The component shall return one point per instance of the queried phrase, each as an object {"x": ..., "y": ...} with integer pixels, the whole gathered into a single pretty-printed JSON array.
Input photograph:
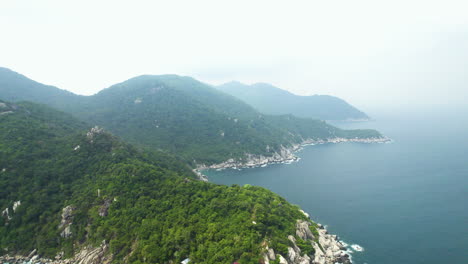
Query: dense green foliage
[
  {"x": 157, "y": 211},
  {"x": 195, "y": 121},
  {"x": 182, "y": 116},
  {"x": 272, "y": 100}
]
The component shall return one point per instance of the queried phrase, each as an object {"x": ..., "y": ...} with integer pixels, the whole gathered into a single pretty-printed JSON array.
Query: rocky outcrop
[
  {"x": 283, "y": 155},
  {"x": 103, "y": 210},
  {"x": 91, "y": 134},
  {"x": 87, "y": 255},
  {"x": 6, "y": 214},
  {"x": 327, "y": 248},
  {"x": 16, "y": 205},
  {"x": 90, "y": 255},
  {"x": 66, "y": 222},
  {"x": 250, "y": 161},
  {"x": 303, "y": 230},
  {"x": 200, "y": 175},
  {"x": 333, "y": 250}
]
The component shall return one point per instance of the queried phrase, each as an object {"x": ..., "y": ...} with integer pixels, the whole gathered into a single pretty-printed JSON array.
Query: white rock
[
  {"x": 271, "y": 254},
  {"x": 15, "y": 205},
  {"x": 6, "y": 213},
  {"x": 303, "y": 260},
  {"x": 292, "y": 254},
  {"x": 282, "y": 260}
]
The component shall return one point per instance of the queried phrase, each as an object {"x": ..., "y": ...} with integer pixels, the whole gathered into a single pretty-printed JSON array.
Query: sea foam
[{"x": 357, "y": 248}]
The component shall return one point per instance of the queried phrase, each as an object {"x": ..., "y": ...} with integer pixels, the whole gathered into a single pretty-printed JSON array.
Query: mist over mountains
[{"x": 273, "y": 100}]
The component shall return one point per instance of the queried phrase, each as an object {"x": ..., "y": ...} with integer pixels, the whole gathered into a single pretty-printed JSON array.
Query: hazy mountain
[
  {"x": 67, "y": 188},
  {"x": 182, "y": 116},
  {"x": 17, "y": 87},
  {"x": 269, "y": 99}
]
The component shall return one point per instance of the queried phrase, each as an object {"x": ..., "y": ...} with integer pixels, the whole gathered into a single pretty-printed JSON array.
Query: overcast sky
[{"x": 370, "y": 53}]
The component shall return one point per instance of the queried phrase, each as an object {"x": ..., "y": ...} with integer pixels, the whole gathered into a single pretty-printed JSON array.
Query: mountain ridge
[
  {"x": 270, "y": 99},
  {"x": 183, "y": 116}
]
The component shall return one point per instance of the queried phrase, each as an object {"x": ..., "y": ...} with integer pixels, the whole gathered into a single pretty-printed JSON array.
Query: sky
[{"x": 389, "y": 54}]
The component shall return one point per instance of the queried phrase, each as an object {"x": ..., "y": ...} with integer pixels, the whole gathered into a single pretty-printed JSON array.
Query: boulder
[
  {"x": 303, "y": 230},
  {"x": 282, "y": 260},
  {"x": 271, "y": 254}
]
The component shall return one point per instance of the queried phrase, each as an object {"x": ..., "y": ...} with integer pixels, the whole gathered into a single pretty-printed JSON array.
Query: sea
[{"x": 399, "y": 202}]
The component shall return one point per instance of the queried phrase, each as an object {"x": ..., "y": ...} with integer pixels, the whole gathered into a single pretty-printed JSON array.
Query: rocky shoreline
[
  {"x": 328, "y": 249},
  {"x": 284, "y": 155}
]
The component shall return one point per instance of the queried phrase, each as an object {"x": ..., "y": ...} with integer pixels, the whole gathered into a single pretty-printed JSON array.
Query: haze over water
[{"x": 403, "y": 202}]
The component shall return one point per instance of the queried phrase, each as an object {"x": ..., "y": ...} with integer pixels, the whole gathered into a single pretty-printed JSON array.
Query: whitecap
[{"x": 357, "y": 248}]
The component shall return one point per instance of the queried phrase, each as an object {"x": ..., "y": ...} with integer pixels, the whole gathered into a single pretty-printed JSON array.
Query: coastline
[
  {"x": 327, "y": 248},
  {"x": 285, "y": 155}
]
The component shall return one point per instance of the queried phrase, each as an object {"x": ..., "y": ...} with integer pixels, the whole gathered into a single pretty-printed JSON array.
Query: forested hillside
[
  {"x": 272, "y": 100},
  {"x": 181, "y": 116},
  {"x": 64, "y": 186}
]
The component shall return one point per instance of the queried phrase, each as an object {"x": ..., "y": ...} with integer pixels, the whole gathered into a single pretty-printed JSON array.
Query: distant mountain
[
  {"x": 182, "y": 116},
  {"x": 72, "y": 192},
  {"x": 17, "y": 87},
  {"x": 269, "y": 99}
]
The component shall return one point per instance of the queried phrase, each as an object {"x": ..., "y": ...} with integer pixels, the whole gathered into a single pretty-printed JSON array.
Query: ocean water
[{"x": 402, "y": 202}]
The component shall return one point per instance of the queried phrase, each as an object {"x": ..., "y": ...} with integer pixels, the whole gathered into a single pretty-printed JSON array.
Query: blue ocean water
[{"x": 403, "y": 202}]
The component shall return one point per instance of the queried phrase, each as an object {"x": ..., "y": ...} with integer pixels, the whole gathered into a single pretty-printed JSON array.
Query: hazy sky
[{"x": 371, "y": 53}]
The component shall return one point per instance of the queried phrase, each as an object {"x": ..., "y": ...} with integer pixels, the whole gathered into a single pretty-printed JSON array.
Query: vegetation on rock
[{"x": 147, "y": 206}]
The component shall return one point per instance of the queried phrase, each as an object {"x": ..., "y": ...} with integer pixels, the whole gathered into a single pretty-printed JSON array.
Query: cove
[{"x": 403, "y": 202}]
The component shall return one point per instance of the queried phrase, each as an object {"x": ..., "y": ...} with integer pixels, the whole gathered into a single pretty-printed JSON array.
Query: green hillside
[
  {"x": 196, "y": 121},
  {"x": 15, "y": 87},
  {"x": 179, "y": 115},
  {"x": 64, "y": 186},
  {"x": 269, "y": 99}
]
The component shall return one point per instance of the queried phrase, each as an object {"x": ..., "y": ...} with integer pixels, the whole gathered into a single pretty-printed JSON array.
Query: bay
[{"x": 403, "y": 202}]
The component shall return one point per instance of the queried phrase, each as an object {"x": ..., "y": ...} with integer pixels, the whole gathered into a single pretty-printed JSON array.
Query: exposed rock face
[
  {"x": 66, "y": 222},
  {"x": 6, "y": 214},
  {"x": 200, "y": 175},
  {"x": 87, "y": 255},
  {"x": 282, "y": 260},
  {"x": 90, "y": 255},
  {"x": 303, "y": 230},
  {"x": 271, "y": 254},
  {"x": 335, "y": 252},
  {"x": 250, "y": 160},
  {"x": 15, "y": 205},
  {"x": 93, "y": 132},
  {"x": 103, "y": 210}
]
